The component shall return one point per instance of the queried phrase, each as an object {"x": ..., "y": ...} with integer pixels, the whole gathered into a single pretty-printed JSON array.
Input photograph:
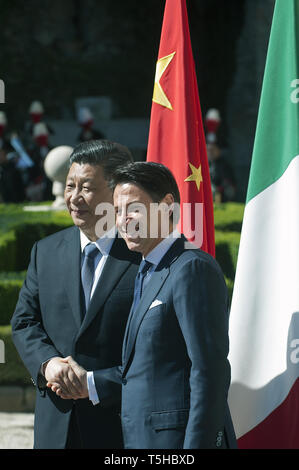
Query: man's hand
[{"x": 66, "y": 378}]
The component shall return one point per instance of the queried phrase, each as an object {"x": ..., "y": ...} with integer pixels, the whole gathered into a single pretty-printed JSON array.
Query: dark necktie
[
  {"x": 142, "y": 272},
  {"x": 88, "y": 269},
  {"x": 132, "y": 321}
]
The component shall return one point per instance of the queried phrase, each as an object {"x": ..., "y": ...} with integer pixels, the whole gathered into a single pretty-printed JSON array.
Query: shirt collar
[
  {"x": 103, "y": 243},
  {"x": 161, "y": 249}
]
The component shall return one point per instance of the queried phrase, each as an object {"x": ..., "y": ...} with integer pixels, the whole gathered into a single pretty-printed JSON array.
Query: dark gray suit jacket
[
  {"x": 48, "y": 321},
  {"x": 175, "y": 373}
]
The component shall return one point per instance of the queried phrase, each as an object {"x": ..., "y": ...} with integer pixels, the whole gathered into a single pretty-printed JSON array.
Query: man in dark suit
[
  {"x": 175, "y": 373},
  {"x": 65, "y": 308}
]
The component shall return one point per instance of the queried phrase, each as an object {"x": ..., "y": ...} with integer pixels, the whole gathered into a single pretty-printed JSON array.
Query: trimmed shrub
[
  {"x": 9, "y": 293},
  {"x": 8, "y": 251},
  {"x": 228, "y": 217},
  {"x": 19, "y": 230},
  {"x": 227, "y": 247},
  {"x": 13, "y": 371}
]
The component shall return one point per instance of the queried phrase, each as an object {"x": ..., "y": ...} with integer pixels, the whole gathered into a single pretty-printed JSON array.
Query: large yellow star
[
  {"x": 159, "y": 94},
  {"x": 195, "y": 175}
]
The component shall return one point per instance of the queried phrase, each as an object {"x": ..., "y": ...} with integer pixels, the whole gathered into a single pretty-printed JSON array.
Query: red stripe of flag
[{"x": 176, "y": 136}]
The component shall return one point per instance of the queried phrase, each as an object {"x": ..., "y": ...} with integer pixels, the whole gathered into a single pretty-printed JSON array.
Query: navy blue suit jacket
[{"x": 175, "y": 373}]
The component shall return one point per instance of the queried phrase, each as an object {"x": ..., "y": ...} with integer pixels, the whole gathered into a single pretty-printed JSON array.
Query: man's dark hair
[
  {"x": 154, "y": 178},
  {"x": 109, "y": 155}
]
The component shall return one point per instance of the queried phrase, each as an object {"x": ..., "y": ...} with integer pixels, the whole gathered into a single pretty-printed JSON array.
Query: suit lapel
[
  {"x": 157, "y": 280},
  {"x": 71, "y": 261},
  {"x": 153, "y": 287},
  {"x": 117, "y": 263}
]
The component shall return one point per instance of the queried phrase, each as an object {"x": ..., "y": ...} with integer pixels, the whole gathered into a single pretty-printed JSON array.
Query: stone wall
[{"x": 59, "y": 51}]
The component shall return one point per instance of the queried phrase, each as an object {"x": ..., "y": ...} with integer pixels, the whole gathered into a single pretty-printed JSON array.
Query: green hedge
[
  {"x": 227, "y": 247},
  {"x": 18, "y": 232},
  {"x": 13, "y": 371},
  {"x": 9, "y": 293},
  {"x": 8, "y": 251},
  {"x": 20, "y": 229},
  {"x": 228, "y": 217}
]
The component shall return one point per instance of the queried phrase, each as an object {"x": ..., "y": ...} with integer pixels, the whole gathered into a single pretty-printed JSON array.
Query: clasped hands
[{"x": 66, "y": 378}]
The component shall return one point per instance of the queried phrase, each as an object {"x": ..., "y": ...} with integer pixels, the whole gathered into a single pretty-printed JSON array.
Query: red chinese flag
[{"x": 176, "y": 135}]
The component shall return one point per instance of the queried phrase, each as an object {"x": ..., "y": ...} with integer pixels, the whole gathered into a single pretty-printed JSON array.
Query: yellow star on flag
[
  {"x": 195, "y": 175},
  {"x": 159, "y": 94}
]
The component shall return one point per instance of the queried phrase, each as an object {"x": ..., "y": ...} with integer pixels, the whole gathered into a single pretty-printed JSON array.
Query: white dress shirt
[{"x": 104, "y": 245}]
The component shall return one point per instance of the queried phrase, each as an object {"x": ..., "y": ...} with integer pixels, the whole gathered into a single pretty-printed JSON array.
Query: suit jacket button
[
  {"x": 124, "y": 381},
  {"x": 219, "y": 439}
]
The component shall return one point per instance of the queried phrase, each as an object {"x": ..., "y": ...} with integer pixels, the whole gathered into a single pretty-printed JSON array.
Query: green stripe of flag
[{"x": 277, "y": 133}]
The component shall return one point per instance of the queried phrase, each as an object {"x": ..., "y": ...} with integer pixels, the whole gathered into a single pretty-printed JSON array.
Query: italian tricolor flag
[{"x": 264, "y": 319}]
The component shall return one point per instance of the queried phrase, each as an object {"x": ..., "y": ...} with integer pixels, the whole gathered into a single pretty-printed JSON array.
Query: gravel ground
[{"x": 16, "y": 430}]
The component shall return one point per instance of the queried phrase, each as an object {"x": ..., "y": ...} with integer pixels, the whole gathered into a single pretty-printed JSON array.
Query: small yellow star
[
  {"x": 195, "y": 176},
  {"x": 159, "y": 94}
]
